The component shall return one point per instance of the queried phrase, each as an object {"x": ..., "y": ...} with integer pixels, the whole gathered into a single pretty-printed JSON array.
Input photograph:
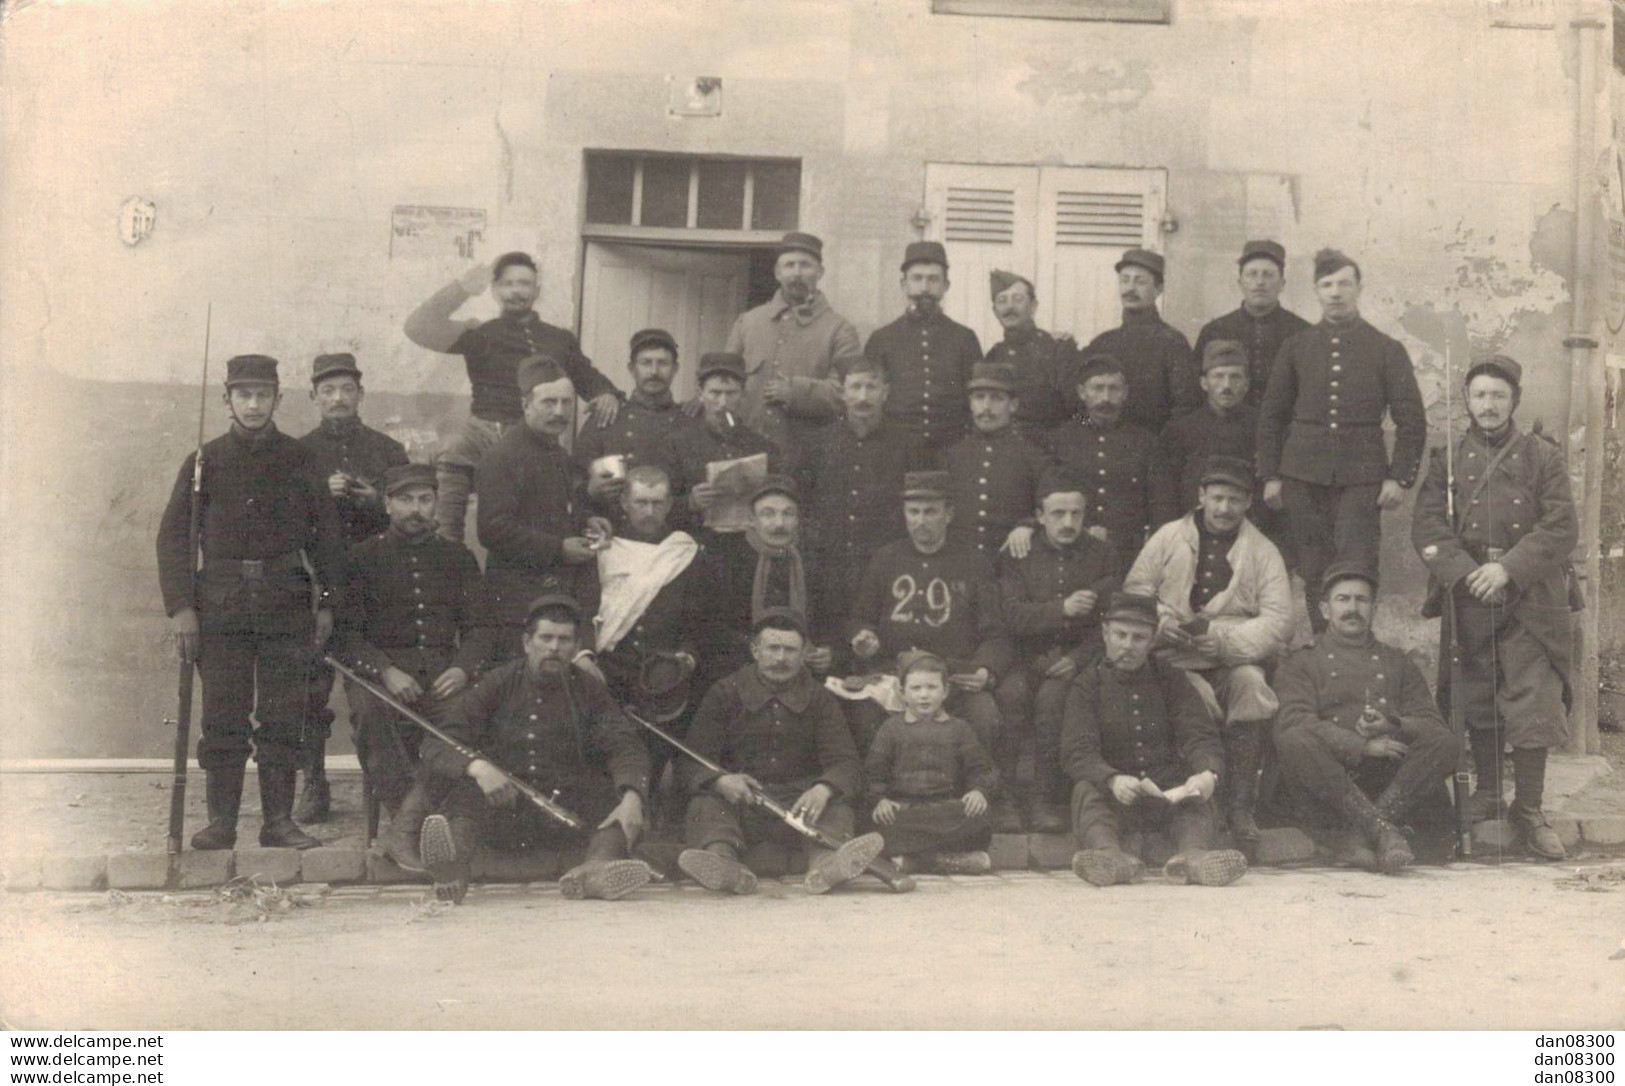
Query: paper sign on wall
[{"x": 418, "y": 231}]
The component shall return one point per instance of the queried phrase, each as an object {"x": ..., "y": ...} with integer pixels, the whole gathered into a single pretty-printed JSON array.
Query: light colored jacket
[
  {"x": 1251, "y": 616},
  {"x": 810, "y": 345}
]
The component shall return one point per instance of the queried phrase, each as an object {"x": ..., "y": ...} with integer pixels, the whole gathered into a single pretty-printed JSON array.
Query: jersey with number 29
[{"x": 946, "y": 603}]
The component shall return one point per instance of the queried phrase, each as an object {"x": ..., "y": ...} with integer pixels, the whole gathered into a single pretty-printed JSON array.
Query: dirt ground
[{"x": 1519, "y": 946}]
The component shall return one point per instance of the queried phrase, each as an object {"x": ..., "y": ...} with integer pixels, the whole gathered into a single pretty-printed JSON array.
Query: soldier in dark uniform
[
  {"x": 849, "y": 478},
  {"x": 928, "y": 355},
  {"x": 995, "y": 468},
  {"x": 1155, "y": 355},
  {"x": 1360, "y": 741},
  {"x": 1044, "y": 364},
  {"x": 1320, "y": 446},
  {"x": 1499, "y": 578},
  {"x": 351, "y": 459},
  {"x": 247, "y": 616},
  {"x": 642, "y": 428},
  {"x": 1144, "y": 754},
  {"x": 1052, "y": 600},
  {"x": 720, "y": 434},
  {"x": 417, "y": 622},
  {"x": 1261, "y": 325},
  {"x": 1225, "y": 425},
  {"x": 493, "y": 350},
  {"x": 558, "y": 730},
  {"x": 531, "y": 517}
]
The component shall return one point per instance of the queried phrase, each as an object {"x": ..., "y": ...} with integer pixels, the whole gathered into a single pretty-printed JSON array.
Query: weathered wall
[{"x": 275, "y": 139}]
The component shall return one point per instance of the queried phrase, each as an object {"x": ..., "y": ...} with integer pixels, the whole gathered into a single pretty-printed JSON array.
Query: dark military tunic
[
  {"x": 528, "y": 506},
  {"x": 1127, "y": 493},
  {"x": 796, "y": 736},
  {"x": 1190, "y": 439},
  {"x": 494, "y": 349},
  {"x": 1033, "y": 587},
  {"x": 1525, "y": 512},
  {"x": 362, "y": 453},
  {"x": 1046, "y": 378},
  {"x": 1145, "y": 723},
  {"x": 1261, "y": 337},
  {"x": 1155, "y": 356},
  {"x": 946, "y": 603},
  {"x": 995, "y": 485},
  {"x": 930, "y": 360},
  {"x": 690, "y": 448},
  {"x": 641, "y": 431},
  {"x": 1321, "y": 418}
]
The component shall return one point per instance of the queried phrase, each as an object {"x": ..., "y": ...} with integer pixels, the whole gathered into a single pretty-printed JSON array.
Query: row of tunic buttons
[{"x": 1336, "y": 368}]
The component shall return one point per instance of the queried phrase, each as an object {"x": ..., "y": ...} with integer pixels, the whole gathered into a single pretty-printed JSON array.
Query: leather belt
[{"x": 253, "y": 569}]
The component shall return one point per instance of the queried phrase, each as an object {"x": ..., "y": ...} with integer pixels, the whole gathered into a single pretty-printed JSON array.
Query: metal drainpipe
[{"x": 1584, "y": 358}]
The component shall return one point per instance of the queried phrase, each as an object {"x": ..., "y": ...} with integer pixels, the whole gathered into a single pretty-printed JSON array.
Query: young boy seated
[{"x": 930, "y": 778}]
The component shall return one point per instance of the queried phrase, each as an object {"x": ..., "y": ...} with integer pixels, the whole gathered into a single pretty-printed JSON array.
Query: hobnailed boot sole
[
  {"x": 717, "y": 872},
  {"x": 1214, "y": 867},
  {"x": 439, "y": 850},
  {"x": 845, "y": 864},
  {"x": 1393, "y": 853},
  {"x": 963, "y": 863},
  {"x": 605, "y": 880},
  {"x": 1106, "y": 867}
]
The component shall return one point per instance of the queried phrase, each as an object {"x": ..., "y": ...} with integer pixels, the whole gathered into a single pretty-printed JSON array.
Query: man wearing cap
[
  {"x": 1498, "y": 566},
  {"x": 1145, "y": 755},
  {"x": 251, "y": 618},
  {"x": 849, "y": 476},
  {"x": 1261, "y": 324},
  {"x": 416, "y": 622},
  {"x": 1361, "y": 743},
  {"x": 642, "y": 427},
  {"x": 557, "y": 729},
  {"x": 351, "y": 460},
  {"x": 720, "y": 435},
  {"x": 1224, "y": 607},
  {"x": 928, "y": 355},
  {"x": 1154, "y": 353},
  {"x": 492, "y": 351},
  {"x": 1320, "y": 444},
  {"x": 771, "y": 726},
  {"x": 795, "y": 348},
  {"x": 1043, "y": 364},
  {"x": 995, "y": 468},
  {"x": 1052, "y": 601},
  {"x": 531, "y": 519}
]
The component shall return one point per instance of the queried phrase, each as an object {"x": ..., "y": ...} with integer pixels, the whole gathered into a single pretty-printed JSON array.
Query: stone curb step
[{"x": 337, "y": 866}]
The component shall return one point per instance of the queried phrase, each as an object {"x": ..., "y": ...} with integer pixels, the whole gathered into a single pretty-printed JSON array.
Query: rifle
[
  {"x": 548, "y": 806},
  {"x": 182, "y": 723},
  {"x": 1461, "y": 783},
  {"x": 882, "y": 869}
]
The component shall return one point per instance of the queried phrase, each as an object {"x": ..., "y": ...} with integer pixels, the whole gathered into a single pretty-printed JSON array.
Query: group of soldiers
[{"x": 856, "y": 579}]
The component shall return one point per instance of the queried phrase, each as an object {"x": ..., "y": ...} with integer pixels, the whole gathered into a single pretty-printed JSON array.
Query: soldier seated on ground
[
  {"x": 556, "y": 728},
  {"x": 1361, "y": 743},
  {"x": 929, "y": 778},
  {"x": 1145, "y": 755},
  {"x": 777, "y": 732}
]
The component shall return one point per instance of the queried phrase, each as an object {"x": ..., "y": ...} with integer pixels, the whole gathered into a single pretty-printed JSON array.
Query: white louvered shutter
[
  {"x": 1087, "y": 217},
  {"x": 987, "y": 218}
]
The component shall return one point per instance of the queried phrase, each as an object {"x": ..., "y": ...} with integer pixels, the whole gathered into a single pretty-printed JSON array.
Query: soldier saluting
[
  {"x": 1495, "y": 539},
  {"x": 247, "y": 616}
]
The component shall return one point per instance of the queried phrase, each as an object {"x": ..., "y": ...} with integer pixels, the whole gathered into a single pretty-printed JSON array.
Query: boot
[
  {"x": 447, "y": 848},
  {"x": 276, "y": 805},
  {"x": 717, "y": 868},
  {"x": 316, "y": 799},
  {"x": 1243, "y": 750},
  {"x": 224, "y": 790},
  {"x": 831, "y": 869},
  {"x": 1529, "y": 789},
  {"x": 1106, "y": 866},
  {"x": 400, "y": 841},
  {"x": 1486, "y": 803},
  {"x": 1209, "y": 867},
  {"x": 1387, "y": 841},
  {"x": 962, "y": 863},
  {"x": 1537, "y": 832},
  {"x": 1050, "y": 812},
  {"x": 606, "y": 880}
]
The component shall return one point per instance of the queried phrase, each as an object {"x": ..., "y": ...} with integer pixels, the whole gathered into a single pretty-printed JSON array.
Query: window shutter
[
  {"x": 980, "y": 214},
  {"x": 1115, "y": 220}
]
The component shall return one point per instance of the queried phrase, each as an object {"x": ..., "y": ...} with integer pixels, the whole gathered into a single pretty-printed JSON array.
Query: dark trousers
[
  {"x": 1331, "y": 523},
  {"x": 713, "y": 820},
  {"x": 1028, "y": 698},
  {"x": 256, "y": 662},
  {"x": 1318, "y": 782},
  {"x": 386, "y": 743},
  {"x": 523, "y": 827},
  {"x": 1100, "y": 822},
  {"x": 935, "y": 825},
  {"x": 1504, "y": 679}
]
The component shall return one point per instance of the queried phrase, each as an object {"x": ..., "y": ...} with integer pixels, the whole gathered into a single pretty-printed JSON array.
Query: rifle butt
[{"x": 182, "y": 724}]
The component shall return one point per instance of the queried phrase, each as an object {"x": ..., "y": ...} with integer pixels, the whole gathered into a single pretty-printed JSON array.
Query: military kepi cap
[
  {"x": 1001, "y": 281},
  {"x": 1142, "y": 258},
  {"x": 652, "y": 337},
  {"x": 925, "y": 252},
  {"x": 998, "y": 376},
  {"x": 1233, "y": 470},
  {"x": 1132, "y": 607},
  {"x": 1332, "y": 261},
  {"x": 333, "y": 365},
  {"x": 1498, "y": 364},
  {"x": 1348, "y": 569},
  {"x": 1223, "y": 352},
  {"x": 797, "y": 242},
  {"x": 1272, "y": 251},
  {"x": 775, "y": 484},
  {"x": 721, "y": 362},
  {"x": 251, "y": 369},
  {"x": 538, "y": 369},
  {"x": 552, "y": 599},
  {"x": 402, "y": 476},
  {"x": 926, "y": 485}
]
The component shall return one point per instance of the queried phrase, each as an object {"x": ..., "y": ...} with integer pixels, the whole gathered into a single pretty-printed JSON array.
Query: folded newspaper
[{"x": 737, "y": 479}]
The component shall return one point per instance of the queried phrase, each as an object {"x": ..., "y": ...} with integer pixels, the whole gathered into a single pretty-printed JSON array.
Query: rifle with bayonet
[
  {"x": 1461, "y": 783},
  {"x": 182, "y": 723},
  {"x": 882, "y": 869},
  {"x": 548, "y": 805}
]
